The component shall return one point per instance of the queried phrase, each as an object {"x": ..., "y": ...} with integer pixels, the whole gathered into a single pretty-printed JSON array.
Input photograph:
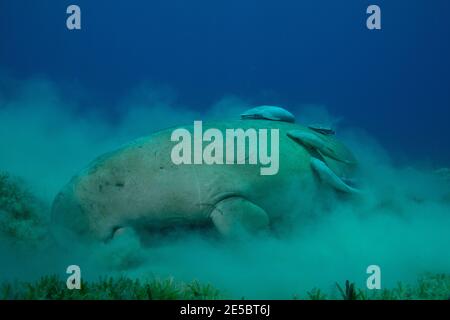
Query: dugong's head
[
  {"x": 90, "y": 205},
  {"x": 80, "y": 213},
  {"x": 69, "y": 219}
]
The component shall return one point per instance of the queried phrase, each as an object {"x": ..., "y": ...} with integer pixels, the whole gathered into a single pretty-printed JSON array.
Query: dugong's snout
[{"x": 68, "y": 218}]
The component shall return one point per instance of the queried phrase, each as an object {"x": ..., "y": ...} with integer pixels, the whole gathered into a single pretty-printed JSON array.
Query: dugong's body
[{"x": 139, "y": 186}]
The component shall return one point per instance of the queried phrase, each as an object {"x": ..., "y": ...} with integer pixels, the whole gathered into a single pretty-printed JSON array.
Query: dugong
[{"x": 138, "y": 186}]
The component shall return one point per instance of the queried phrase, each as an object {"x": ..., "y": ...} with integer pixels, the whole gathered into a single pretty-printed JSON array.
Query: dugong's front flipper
[
  {"x": 330, "y": 177},
  {"x": 269, "y": 113},
  {"x": 234, "y": 215},
  {"x": 312, "y": 140}
]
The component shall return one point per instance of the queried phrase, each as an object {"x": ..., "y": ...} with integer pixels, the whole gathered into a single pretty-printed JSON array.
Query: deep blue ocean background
[{"x": 394, "y": 83}]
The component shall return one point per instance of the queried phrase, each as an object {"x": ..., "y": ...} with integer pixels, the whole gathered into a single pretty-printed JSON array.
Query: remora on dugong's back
[
  {"x": 139, "y": 186},
  {"x": 269, "y": 113}
]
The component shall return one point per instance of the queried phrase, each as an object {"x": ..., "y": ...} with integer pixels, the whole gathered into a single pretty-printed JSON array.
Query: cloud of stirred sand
[{"x": 402, "y": 223}]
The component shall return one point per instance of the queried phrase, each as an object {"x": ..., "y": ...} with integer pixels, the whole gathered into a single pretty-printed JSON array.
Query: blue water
[
  {"x": 394, "y": 83},
  {"x": 68, "y": 96}
]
